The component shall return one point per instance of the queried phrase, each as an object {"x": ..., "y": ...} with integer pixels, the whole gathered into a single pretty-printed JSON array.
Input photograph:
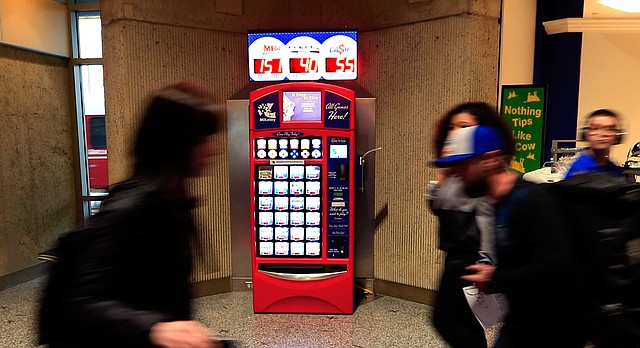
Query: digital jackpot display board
[{"x": 303, "y": 56}]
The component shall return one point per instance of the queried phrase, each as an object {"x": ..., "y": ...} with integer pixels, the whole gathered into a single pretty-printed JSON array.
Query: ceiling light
[{"x": 622, "y": 5}]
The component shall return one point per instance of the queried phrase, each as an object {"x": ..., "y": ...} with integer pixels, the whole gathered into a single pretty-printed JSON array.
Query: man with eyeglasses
[{"x": 602, "y": 131}]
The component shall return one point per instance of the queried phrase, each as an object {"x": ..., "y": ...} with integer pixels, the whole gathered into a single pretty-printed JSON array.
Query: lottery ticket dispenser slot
[{"x": 343, "y": 172}]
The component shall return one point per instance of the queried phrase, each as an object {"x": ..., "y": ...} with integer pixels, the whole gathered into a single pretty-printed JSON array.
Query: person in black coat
[{"x": 129, "y": 287}]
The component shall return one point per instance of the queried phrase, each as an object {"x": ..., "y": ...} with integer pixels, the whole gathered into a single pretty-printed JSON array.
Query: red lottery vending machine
[{"x": 303, "y": 193}]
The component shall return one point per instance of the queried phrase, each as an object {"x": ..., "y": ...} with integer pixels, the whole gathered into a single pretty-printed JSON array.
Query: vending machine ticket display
[{"x": 302, "y": 158}]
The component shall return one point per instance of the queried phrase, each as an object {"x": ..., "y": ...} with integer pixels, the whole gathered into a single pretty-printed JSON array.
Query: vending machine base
[{"x": 303, "y": 292}]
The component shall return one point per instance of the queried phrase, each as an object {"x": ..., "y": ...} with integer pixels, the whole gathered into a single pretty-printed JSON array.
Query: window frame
[{"x": 88, "y": 202}]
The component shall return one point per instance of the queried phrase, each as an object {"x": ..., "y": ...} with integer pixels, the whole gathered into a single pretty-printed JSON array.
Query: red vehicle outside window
[{"x": 97, "y": 152}]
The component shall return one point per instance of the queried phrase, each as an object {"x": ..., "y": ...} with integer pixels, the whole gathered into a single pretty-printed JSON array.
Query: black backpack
[
  {"x": 62, "y": 257},
  {"x": 119, "y": 210},
  {"x": 602, "y": 213}
]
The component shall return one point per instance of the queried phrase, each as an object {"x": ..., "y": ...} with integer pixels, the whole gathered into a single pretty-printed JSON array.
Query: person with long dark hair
[{"x": 129, "y": 287}]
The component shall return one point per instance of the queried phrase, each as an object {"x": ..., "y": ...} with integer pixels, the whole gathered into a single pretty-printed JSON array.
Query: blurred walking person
[
  {"x": 602, "y": 131},
  {"x": 537, "y": 262},
  {"x": 465, "y": 230},
  {"x": 126, "y": 283}
]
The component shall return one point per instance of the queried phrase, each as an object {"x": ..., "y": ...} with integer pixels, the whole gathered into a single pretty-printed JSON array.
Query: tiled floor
[{"x": 379, "y": 321}]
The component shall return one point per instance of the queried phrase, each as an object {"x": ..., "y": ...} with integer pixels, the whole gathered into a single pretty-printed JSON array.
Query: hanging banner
[{"x": 523, "y": 107}]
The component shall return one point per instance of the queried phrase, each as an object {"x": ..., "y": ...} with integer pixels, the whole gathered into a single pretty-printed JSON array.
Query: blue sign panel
[
  {"x": 338, "y": 212},
  {"x": 337, "y": 111},
  {"x": 267, "y": 111}
]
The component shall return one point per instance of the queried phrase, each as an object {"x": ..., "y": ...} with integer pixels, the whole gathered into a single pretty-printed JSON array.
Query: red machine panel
[{"x": 303, "y": 165}]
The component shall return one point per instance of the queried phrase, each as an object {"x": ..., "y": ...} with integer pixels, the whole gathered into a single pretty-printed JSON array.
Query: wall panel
[
  {"x": 416, "y": 73},
  {"x": 37, "y": 25},
  {"x": 141, "y": 57},
  {"x": 37, "y": 197}
]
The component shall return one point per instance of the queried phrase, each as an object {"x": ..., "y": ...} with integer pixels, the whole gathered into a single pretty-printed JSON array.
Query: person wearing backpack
[
  {"x": 536, "y": 263},
  {"x": 123, "y": 281}
]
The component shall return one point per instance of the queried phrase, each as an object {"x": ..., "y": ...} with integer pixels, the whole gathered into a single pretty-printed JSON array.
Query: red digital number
[
  {"x": 267, "y": 66},
  {"x": 340, "y": 64},
  {"x": 303, "y": 65}
]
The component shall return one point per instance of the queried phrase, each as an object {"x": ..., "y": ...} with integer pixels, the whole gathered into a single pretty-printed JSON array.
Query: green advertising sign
[{"x": 523, "y": 107}]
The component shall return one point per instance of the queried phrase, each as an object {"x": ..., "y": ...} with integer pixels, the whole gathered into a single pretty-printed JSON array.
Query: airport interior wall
[
  {"x": 37, "y": 189},
  {"x": 418, "y": 58}
]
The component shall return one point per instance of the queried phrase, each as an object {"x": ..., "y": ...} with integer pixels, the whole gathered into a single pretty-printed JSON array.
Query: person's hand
[
  {"x": 182, "y": 334},
  {"x": 482, "y": 276}
]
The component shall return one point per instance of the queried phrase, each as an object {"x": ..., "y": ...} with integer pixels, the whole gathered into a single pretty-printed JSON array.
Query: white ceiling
[{"x": 594, "y": 10}]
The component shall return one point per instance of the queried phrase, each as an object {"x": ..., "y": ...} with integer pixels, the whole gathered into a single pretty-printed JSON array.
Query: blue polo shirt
[{"x": 587, "y": 164}]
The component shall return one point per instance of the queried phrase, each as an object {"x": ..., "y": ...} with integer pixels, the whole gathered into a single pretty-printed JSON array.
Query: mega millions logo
[{"x": 266, "y": 110}]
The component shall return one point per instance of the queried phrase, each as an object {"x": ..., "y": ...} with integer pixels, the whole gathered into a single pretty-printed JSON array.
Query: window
[
  {"x": 97, "y": 137},
  {"x": 86, "y": 28},
  {"x": 89, "y": 34}
]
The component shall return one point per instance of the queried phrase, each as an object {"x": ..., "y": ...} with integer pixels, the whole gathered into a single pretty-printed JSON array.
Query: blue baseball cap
[{"x": 469, "y": 142}]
